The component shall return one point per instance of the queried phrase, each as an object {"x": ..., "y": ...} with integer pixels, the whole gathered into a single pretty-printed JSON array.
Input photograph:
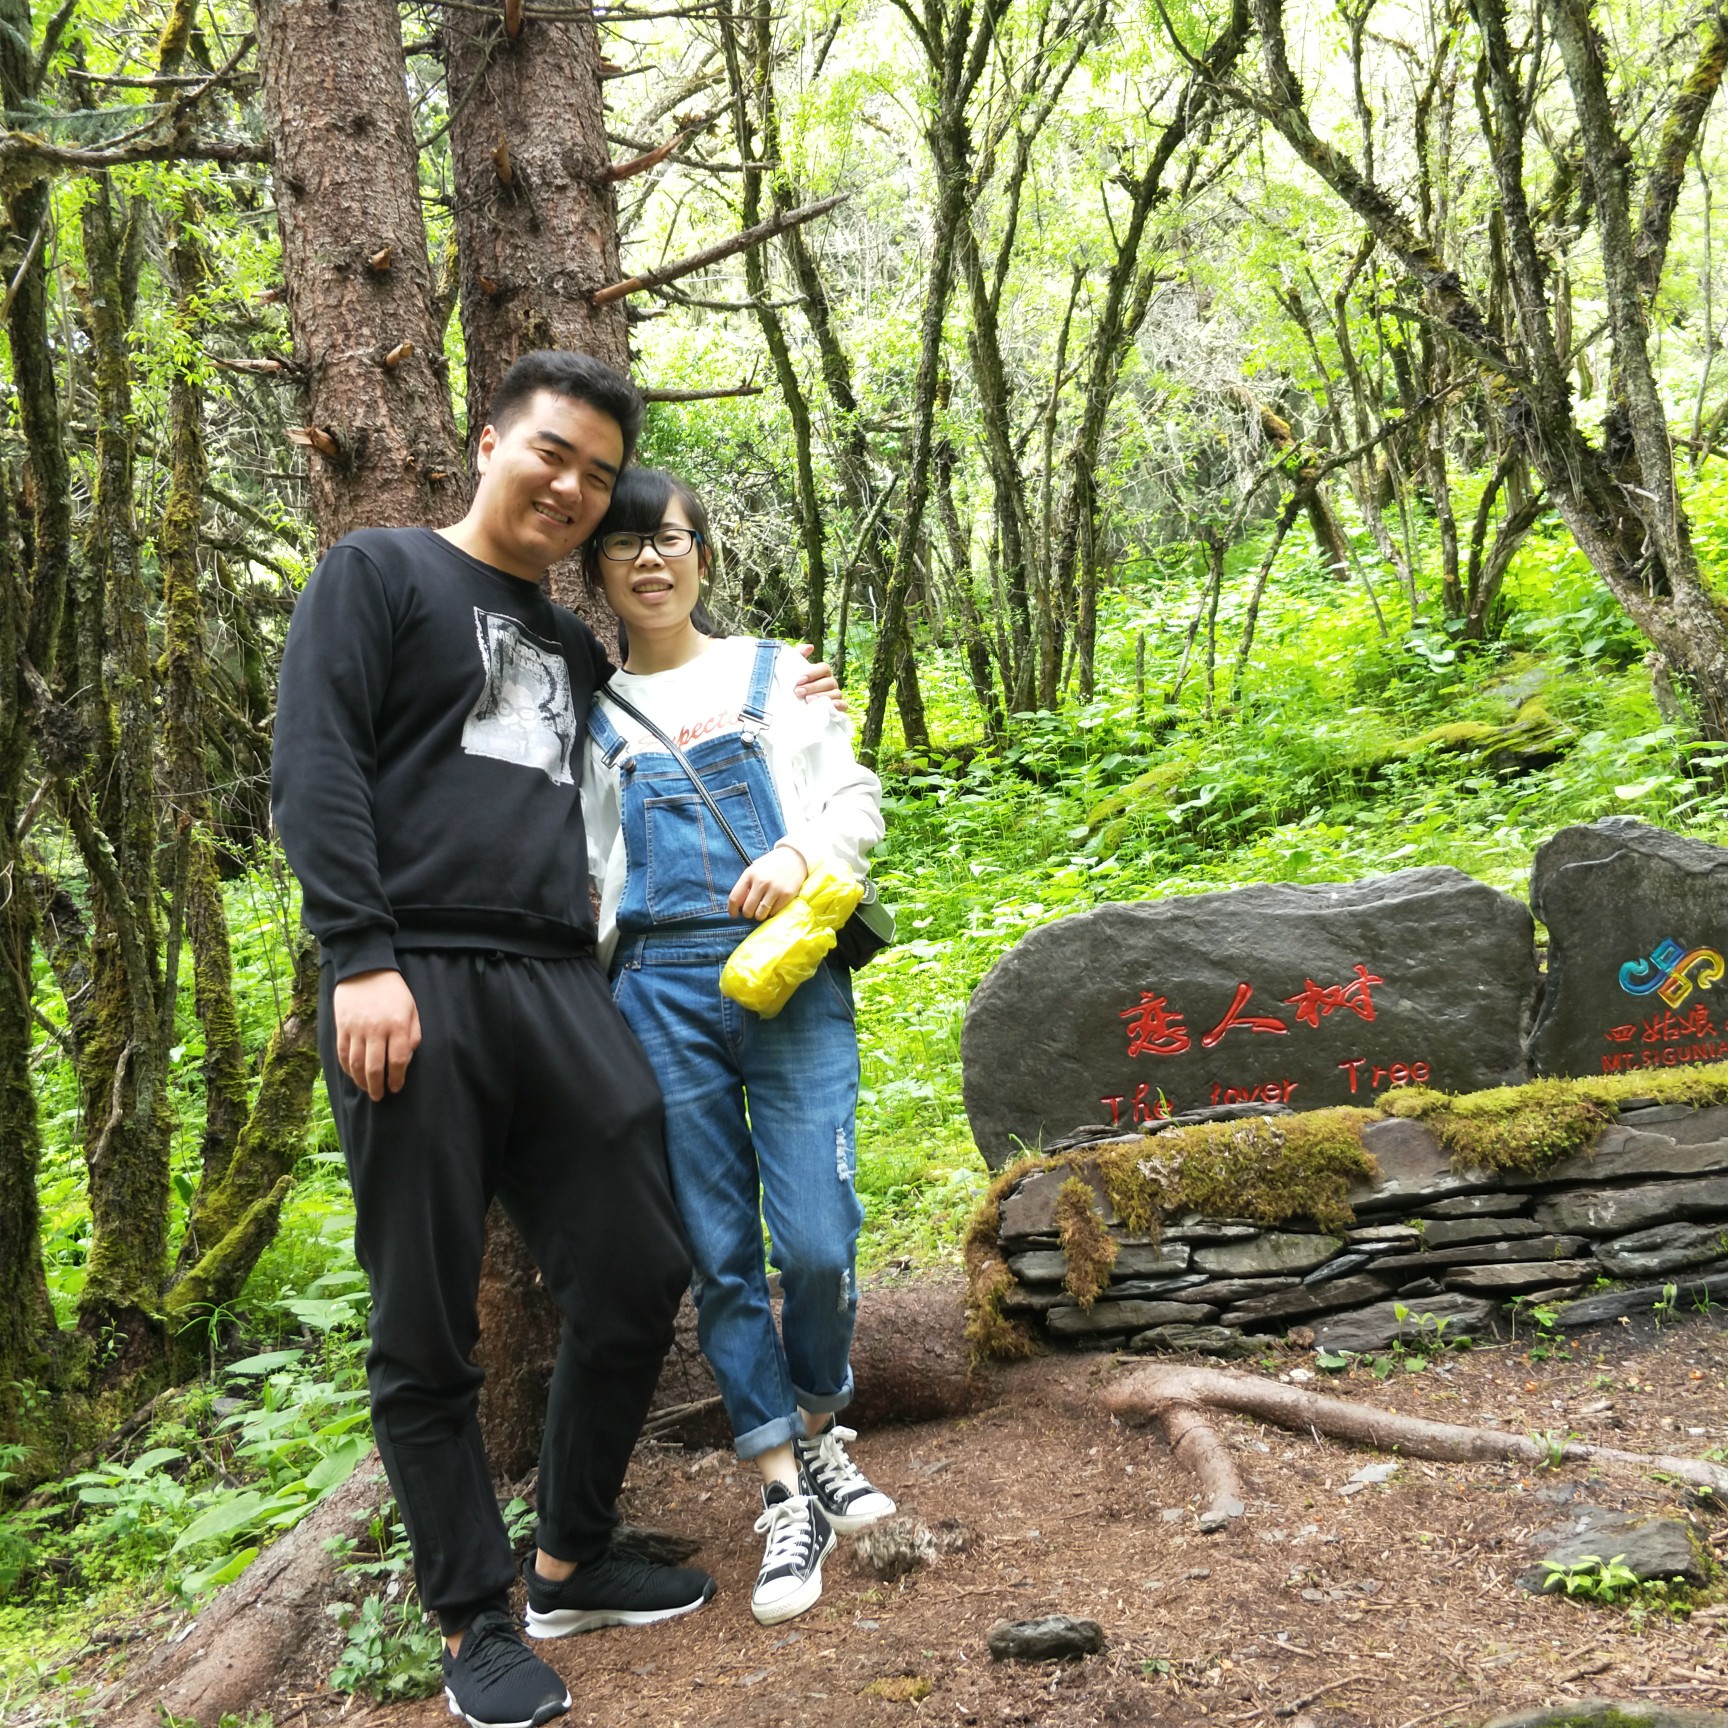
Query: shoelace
[
  {"x": 836, "y": 1471},
  {"x": 786, "y": 1524},
  {"x": 491, "y": 1648},
  {"x": 628, "y": 1571}
]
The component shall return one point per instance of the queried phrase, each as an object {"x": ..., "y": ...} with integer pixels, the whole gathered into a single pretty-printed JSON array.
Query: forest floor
[{"x": 1387, "y": 1607}]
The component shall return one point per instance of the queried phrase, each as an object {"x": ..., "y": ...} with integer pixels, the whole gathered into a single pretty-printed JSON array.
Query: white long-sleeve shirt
[{"x": 832, "y": 805}]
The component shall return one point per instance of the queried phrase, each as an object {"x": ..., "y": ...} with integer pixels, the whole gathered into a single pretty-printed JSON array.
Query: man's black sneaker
[
  {"x": 799, "y": 1540},
  {"x": 496, "y": 1681},
  {"x": 618, "y": 1589},
  {"x": 849, "y": 1500}
]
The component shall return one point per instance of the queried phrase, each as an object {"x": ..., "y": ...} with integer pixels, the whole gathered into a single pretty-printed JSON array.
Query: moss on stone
[
  {"x": 1090, "y": 1248},
  {"x": 1526, "y": 1129},
  {"x": 989, "y": 1331},
  {"x": 1271, "y": 1169},
  {"x": 1154, "y": 783},
  {"x": 1534, "y": 731}
]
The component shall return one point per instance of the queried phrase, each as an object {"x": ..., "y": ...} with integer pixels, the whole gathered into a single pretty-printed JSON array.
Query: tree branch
[
  {"x": 1680, "y": 134},
  {"x": 765, "y": 230}
]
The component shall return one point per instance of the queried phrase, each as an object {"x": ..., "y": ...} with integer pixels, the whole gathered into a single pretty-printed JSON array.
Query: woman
[{"x": 759, "y": 1113}]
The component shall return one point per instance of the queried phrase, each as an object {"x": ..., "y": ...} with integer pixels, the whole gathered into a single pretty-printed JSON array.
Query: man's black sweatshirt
[{"x": 428, "y": 756}]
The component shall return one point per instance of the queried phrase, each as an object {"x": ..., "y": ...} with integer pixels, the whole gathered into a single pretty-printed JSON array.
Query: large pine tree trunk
[
  {"x": 536, "y": 221},
  {"x": 383, "y": 445},
  {"x": 536, "y": 232}
]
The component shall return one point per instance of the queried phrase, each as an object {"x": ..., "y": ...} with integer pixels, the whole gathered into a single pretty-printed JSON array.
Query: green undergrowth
[{"x": 1288, "y": 1170}]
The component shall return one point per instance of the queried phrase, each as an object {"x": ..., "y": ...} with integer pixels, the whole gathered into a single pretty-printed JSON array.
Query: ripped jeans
[{"x": 759, "y": 1126}]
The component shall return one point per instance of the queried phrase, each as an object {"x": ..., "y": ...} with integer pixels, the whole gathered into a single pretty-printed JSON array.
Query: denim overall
[{"x": 759, "y": 1113}]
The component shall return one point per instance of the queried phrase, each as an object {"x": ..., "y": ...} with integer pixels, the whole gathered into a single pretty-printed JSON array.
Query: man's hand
[
  {"x": 771, "y": 882},
  {"x": 820, "y": 681},
  {"x": 377, "y": 1030}
]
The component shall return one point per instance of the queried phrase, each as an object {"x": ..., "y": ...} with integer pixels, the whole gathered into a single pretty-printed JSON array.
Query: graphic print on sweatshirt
[{"x": 525, "y": 713}]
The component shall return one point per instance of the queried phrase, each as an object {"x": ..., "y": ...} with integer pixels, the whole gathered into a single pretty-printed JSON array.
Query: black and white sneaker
[
  {"x": 849, "y": 1500},
  {"x": 618, "y": 1589},
  {"x": 799, "y": 1540},
  {"x": 496, "y": 1681}
]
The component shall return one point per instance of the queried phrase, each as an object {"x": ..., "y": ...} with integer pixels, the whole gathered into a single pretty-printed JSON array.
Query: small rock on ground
[
  {"x": 1055, "y": 1636},
  {"x": 1611, "y": 1713},
  {"x": 1654, "y": 1548}
]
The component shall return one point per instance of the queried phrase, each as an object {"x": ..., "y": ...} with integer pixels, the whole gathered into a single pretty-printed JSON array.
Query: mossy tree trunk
[
  {"x": 122, "y": 1047},
  {"x": 1128, "y": 290},
  {"x": 35, "y": 555},
  {"x": 79, "y": 718},
  {"x": 750, "y": 73},
  {"x": 958, "y": 47}
]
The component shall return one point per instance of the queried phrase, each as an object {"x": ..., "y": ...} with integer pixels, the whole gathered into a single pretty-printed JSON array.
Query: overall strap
[
  {"x": 603, "y": 732},
  {"x": 754, "y": 713},
  {"x": 683, "y": 762}
]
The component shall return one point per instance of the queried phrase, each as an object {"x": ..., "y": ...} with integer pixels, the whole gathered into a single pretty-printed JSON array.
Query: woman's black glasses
[{"x": 668, "y": 542}]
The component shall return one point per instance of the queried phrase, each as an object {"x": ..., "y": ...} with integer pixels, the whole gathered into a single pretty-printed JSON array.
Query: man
[{"x": 427, "y": 767}]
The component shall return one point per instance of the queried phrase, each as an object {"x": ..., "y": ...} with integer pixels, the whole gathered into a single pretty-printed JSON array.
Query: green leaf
[
  {"x": 222, "y": 1519},
  {"x": 223, "y": 1572},
  {"x": 336, "y": 1467},
  {"x": 148, "y": 1461},
  {"x": 264, "y": 1364}
]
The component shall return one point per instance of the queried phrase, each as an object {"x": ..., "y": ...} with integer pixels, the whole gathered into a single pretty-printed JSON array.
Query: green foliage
[
  {"x": 1613, "y": 1583},
  {"x": 392, "y": 1652},
  {"x": 393, "y": 1649},
  {"x": 1592, "y": 1577}
]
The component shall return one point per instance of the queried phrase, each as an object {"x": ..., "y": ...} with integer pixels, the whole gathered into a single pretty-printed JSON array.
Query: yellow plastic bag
[{"x": 783, "y": 951}]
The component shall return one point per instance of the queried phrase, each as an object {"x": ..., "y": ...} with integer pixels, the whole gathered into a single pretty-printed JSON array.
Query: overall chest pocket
[{"x": 691, "y": 865}]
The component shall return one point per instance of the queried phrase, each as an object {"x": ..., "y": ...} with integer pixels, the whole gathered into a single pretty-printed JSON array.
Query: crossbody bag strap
[{"x": 683, "y": 762}]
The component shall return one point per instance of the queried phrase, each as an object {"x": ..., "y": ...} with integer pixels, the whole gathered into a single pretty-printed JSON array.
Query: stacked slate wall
[{"x": 1646, "y": 1207}]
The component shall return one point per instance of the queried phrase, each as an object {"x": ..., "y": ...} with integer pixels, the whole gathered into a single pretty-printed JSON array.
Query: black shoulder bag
[{"x": 862, "y": 937}]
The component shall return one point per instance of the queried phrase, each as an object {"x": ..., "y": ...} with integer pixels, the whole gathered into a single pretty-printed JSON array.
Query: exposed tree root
[
  {"x": 1179, "y": 1399},
  {"x": 230, "y": 1656},
  {"x": 1200, "y": 1451}
]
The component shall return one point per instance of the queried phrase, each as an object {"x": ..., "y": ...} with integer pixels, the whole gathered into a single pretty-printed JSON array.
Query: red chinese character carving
[
  {"x": 1318, "y": 999},
  {"x": 1621, "y": 1034},
  {"x": 1668, "y": 1026},
  {"x": 1153, "y": 1030},
  {"x": 1250, "y": 1022}
]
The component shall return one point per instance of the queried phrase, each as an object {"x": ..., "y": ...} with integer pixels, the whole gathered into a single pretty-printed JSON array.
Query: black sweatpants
[{"x": 527, "y": 1085}]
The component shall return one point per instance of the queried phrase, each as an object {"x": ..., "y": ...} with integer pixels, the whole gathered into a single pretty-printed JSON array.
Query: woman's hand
[
  {"x": 819, "y": 680},
  {"x": 770, "y": 883}
]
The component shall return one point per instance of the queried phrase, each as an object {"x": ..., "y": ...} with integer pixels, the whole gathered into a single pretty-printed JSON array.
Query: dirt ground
[
  {"x": 1388, "y": 1607},
  {"x": 1391, "y": 1607}
]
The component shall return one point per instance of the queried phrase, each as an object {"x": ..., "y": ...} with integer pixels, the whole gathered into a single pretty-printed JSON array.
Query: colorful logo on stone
[{"x": 1671, "y": 972}]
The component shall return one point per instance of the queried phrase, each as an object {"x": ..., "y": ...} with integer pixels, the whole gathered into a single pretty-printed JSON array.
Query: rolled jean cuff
[
  {"x": 826, "y": 1403},
  {"x": 779, "y": 1432}
]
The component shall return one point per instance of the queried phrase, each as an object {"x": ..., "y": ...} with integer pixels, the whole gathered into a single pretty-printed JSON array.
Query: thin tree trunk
[{"x": 760, "y": 78}]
